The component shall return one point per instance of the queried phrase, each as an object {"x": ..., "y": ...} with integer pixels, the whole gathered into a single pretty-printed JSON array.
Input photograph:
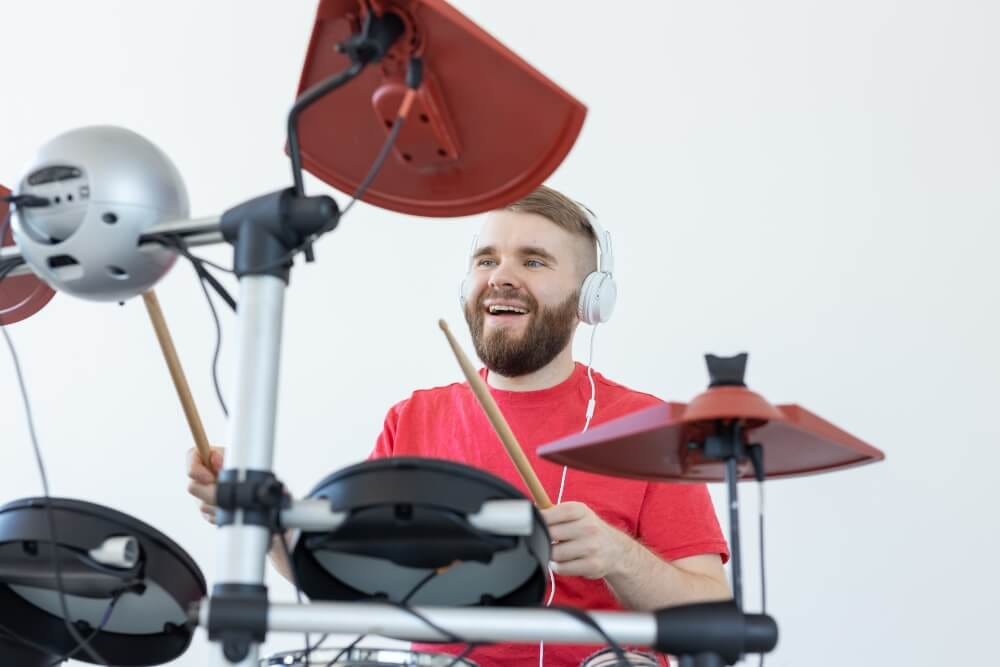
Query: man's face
[{"x": 522, "y": 291}]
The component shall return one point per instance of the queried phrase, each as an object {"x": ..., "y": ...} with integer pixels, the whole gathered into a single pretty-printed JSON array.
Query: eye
[
  {"x": 534, "y": 263},
  {"x": 485, "y": 262}
]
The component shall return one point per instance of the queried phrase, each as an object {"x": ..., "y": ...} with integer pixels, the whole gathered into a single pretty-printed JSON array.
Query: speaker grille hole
[
  {"x": 118, "y": 273},
  {"x": 65, "y": 267}
]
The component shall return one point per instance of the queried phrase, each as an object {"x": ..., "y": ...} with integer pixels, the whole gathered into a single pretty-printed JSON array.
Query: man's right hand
[
  {"x": 202, "y": 480},
  {"x": 202, "y": 486}
]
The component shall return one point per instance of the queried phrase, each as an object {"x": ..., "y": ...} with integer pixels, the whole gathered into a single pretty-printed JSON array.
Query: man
[{"x": 617, "y": 543}]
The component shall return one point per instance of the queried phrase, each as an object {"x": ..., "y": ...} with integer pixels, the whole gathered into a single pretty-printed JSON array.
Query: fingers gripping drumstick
[
  {"x": 177, "y": 374},
  {"x": 503, "y": 431}
]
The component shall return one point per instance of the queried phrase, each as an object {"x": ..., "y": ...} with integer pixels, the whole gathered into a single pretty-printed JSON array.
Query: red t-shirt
[{"x": 673, "y": 520}]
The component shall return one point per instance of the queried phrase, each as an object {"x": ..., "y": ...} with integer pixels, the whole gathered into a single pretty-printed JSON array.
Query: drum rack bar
[{"x": 477, "y": 624}]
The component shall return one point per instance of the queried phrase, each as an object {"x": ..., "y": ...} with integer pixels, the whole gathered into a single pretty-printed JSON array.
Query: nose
[{"x": 504, "y": 275}]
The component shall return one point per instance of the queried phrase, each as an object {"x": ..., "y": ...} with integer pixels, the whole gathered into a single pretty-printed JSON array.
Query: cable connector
[
  {"x": 414, "y": 73},
  {"x": 27, "y": 201},
  {"x": 378, "y": 34}
]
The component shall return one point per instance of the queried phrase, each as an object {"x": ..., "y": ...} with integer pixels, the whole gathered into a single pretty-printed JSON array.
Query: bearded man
[{"x": 616, "y": 543}]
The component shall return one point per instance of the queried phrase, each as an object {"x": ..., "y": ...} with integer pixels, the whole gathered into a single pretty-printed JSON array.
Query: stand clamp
[
  {"x": 237, "y": 616},
  {"x": 259, "y": 495}
]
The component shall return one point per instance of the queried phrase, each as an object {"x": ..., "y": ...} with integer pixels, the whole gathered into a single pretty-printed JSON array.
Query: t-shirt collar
[{"x": 562, "y": 391}]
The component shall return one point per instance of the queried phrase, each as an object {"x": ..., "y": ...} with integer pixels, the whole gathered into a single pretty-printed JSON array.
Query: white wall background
[{"x": 813, "y": 182}]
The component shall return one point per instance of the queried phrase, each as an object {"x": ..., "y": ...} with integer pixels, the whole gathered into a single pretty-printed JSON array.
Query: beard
[{"x": 548, "y": 332}]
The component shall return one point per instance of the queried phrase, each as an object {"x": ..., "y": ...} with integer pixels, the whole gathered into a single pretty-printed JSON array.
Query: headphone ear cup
[
  {"x": 583, "y": 310},
  {"x": 598, "y": 295}
]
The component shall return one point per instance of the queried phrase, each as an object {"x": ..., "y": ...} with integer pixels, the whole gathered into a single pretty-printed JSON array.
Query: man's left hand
[{"x": 584, "y": 545}]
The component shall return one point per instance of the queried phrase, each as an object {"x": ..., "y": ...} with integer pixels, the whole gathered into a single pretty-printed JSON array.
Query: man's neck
[{"x": 555, "y": 372}]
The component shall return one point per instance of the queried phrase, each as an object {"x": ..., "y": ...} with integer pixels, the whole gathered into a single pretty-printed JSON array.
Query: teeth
[{"x": 507, "y": 309}]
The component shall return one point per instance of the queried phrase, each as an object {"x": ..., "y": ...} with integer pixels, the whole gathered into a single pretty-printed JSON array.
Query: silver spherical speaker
[{"x": 106, "y": 186}]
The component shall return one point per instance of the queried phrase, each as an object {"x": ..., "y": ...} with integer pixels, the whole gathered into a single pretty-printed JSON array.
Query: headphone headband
[{"x": 605, "y": 256}]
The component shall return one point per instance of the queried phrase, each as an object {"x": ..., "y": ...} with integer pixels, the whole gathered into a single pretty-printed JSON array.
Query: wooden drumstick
[
  {"x": 500, "y": 425},
  {"x": 177, "y": 374}
]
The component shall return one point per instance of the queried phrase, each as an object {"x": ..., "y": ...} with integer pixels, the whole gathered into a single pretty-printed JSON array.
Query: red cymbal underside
[
  {"x": 655, "y": 443},
  {"x": 20, "y": 296},
  {"x": 485, "y": 128}
]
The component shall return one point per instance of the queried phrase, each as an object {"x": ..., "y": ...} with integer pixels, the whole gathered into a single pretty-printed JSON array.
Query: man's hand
[
  {"x": 584, "y": 545},
  {"x": 202, "y": 484}
]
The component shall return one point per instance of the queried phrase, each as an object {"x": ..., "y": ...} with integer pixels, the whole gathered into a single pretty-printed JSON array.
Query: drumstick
[
  {"x": 177, "y": 374},
  {"x": 500, "y": 425}
]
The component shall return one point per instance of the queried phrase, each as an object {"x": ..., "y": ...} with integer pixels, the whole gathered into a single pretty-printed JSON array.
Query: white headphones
[{"x": 599, "y": 290}]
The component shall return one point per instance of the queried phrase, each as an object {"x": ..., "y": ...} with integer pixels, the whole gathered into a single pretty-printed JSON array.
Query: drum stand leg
[
  {"x": 727, "y": 446},
  {"x": 264, "y": 232}
]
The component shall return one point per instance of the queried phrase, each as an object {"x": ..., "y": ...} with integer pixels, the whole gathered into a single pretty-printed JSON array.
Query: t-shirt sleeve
[
  {"x": 385, "y": 444},
  {"x": 678, "y": 521}
]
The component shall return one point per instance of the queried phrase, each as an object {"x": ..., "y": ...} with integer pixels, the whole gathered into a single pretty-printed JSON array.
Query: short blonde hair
[{"x": 559, "y": 209}]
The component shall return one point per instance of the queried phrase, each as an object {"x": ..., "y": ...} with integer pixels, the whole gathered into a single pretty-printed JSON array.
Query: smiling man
[{"x": 617, "y": 543}]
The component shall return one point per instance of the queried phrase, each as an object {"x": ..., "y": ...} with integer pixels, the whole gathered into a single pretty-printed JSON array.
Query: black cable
[
  {"x": 763, "y": 570},
  {"x": 587, "y": 620},
  {"x": 304, "y": 101},
  {"x": 464, "y": 654},
  {"x": 383, "y": 155},
  {"x": 414, "y": 78},
  {"x": 100, "y": 626},
  {"x": 6, "y": 223},
  {"x": 204, "y": 274},
  {"x": 218, "y": 346},
  {"x": 219, "y": 288},
  {"x": 448, "y": 635},
  {"x": 416, "y": 587},
  {"x": 756, "y": 455},
  {"x": 405, "y": 599},
  {"x": 344, "y": 651},
  {"x": 373, "y": 171},
  {"x": 8, "y": 267},
  {"x": 13, "y": 636},
  {"x": 179, "y": 244},
  {"x": 54, "y": 541},
  {"x": 763, "y": 575}
]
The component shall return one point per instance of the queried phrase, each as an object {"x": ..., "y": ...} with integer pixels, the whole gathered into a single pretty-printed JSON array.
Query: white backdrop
[{"x": 813, "y": 182}]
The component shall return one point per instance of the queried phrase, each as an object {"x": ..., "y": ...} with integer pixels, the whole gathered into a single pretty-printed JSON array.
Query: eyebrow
[{"x": 524, "y": 251}]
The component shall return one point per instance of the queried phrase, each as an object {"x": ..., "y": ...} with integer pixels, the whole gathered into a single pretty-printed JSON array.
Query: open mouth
[{"x": 506, "y": 310}]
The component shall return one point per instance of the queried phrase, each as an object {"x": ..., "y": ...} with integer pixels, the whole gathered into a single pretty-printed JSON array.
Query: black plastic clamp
[
  {"x": 237, "y": 616},
  {"x": 259, "y": 495}
]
